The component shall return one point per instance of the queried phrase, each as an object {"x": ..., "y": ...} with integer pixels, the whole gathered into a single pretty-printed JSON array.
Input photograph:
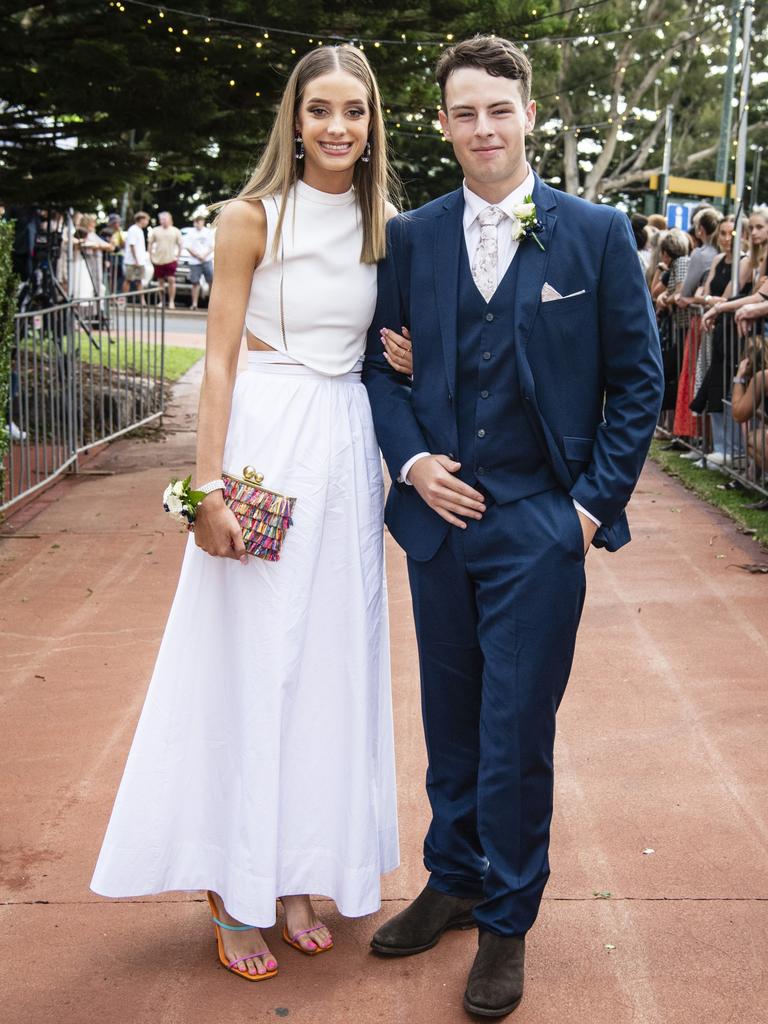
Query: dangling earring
[
  {"x": 299, "y": 147},
  {"x": 367, "y": 153}
]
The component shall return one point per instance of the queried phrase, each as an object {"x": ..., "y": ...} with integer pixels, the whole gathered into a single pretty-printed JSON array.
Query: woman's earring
[
  {"x": 366, "y": 154},
  {"x": 299, "y": 147}
]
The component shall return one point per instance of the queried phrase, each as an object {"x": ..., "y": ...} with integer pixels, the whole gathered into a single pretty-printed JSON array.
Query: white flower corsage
[
  {"x": 180, "y": 501},
  {"x": 527, "y": 224}
]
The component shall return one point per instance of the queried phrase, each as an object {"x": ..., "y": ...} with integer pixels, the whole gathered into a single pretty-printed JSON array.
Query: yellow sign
[{"x": 693, "y": 187}]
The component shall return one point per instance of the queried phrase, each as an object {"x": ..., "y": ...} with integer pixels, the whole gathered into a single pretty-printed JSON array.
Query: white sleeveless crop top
[{"x": 329, "y": 295}]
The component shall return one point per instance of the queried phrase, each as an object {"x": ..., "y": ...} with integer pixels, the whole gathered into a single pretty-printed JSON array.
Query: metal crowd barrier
[
  {"x": 701, "y": 358},
  {"x": 82, "y": 373}
]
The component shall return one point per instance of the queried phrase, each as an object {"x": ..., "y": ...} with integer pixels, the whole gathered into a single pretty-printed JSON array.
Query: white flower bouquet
[{"x": 180, "y": 501}]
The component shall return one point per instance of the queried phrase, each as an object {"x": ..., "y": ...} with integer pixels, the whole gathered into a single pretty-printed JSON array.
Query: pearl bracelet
[{"x": 212, "y": 485}]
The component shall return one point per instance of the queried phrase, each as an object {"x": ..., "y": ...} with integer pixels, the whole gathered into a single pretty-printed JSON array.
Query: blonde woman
[{"x": 262, "y": 768}]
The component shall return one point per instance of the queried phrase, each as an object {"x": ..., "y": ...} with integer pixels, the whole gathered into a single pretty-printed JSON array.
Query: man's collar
[{"x": 474, "y": 205}]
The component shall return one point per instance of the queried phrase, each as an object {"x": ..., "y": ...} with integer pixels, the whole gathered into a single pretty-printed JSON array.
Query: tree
[{"x": 101, "y": 97}]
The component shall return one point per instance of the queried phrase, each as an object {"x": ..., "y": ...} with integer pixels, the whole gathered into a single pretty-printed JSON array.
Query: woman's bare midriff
[{"x": 256, "y": 344}]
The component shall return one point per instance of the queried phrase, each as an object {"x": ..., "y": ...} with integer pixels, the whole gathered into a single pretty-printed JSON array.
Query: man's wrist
[
  {"x": 406, "y": 468},
  {"x": 584, "y": 512}
]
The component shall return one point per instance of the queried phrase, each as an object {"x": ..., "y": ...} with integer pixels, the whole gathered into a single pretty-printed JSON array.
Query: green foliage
[
  {"x": 8, "y": 288},
  {"x": 178, "y": 117}
]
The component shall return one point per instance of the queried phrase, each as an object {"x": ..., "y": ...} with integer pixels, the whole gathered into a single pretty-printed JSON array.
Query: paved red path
[{"x": 661, "y": 746}]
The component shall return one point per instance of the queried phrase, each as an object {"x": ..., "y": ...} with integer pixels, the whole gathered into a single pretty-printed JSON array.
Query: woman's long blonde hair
[{"x": 278, "y": 169}]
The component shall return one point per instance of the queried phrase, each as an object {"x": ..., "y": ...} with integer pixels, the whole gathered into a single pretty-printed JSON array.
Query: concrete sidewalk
[{"x": 661, "y": 786}]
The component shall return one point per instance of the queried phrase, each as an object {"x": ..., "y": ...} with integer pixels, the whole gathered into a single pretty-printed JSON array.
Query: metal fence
[
  {"x": 82, "y": 373},
  {"x": 720, "y": 428}
]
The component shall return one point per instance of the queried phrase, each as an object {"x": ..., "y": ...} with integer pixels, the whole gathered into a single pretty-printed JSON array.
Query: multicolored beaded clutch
[{"x": 264, "y": 516}]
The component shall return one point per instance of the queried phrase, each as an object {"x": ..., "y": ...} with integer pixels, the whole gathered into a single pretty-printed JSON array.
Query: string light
[{"x": 590, "y": 38}]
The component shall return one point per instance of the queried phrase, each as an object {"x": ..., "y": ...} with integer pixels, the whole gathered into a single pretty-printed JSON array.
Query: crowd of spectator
[
  {"x": 58, "y": 257},
  {"x": 712, "y": 320}
]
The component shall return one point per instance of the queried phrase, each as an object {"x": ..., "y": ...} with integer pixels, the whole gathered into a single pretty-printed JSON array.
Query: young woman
[
  {"x": 706, "y": 226},
  {"x": 262, "y": 767},
  {"x": 726, "y": 345}
]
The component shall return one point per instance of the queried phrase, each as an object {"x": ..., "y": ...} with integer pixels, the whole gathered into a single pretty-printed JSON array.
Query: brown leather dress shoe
[
  {"x": 495, "y": 984},
  {"x": 419, "y": 926}
]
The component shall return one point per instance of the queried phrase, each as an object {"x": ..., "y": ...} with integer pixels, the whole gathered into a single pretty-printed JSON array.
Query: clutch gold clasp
[{"x": 252, "y": 475}]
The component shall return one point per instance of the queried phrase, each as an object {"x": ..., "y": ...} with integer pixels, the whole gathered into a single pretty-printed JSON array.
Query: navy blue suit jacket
[{"x": 589, "y": 367}]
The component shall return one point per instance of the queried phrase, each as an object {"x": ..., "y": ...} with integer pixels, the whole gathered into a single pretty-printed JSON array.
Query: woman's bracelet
[{"x": 212, "y": 485}]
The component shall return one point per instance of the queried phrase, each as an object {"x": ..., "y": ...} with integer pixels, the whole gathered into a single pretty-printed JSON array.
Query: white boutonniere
[
  {"x": 180, "y": 501},
  {"x": 527, "y": 224}
]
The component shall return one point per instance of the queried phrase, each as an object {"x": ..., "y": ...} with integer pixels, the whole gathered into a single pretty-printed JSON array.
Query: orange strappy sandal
[
  {"x": 231, "y": 965},
  {"x": 293, "y": 940}
]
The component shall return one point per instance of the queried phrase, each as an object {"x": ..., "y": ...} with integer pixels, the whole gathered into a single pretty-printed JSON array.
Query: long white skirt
[{"x": 263, "y": 761}]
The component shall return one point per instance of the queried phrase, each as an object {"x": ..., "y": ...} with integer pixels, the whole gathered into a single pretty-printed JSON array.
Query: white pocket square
[{"x": 550, "y": 294}]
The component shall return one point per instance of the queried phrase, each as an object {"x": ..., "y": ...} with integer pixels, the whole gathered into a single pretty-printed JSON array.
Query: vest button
[
  {"x": 483, "y": 394},
  {"x": 481, "y": 432},
  {"x": 489, "y": 317},
  {"x": 486, "y": 356}
]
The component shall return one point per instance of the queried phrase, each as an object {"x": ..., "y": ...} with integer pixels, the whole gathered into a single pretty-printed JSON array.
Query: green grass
[
  {"x": 711, "y": 486},
  {"x": 122, "y": 355},
  {"x": 178, "y": 359}
]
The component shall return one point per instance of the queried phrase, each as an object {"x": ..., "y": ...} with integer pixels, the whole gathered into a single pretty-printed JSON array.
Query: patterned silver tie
[{"x": 485, "y": 265}]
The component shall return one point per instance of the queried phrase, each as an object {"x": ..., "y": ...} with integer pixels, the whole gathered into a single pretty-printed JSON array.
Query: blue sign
[{"x": 678, "y": 215}]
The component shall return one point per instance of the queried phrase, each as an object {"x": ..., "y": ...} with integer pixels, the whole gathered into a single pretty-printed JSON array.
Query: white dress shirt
[{"x": 507, "y": 247}]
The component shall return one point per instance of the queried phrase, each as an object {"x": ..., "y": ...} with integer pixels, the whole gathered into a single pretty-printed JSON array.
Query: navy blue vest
[{"x": 498, "y": 447}]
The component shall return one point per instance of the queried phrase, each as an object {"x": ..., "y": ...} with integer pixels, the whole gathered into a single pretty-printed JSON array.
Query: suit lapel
[
  {"x": 448, "y": 249},
  {"x": 532, "y": 270}
]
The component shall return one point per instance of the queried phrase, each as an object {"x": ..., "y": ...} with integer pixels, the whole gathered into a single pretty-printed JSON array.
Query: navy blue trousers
[{"x": 496, "y": 612}]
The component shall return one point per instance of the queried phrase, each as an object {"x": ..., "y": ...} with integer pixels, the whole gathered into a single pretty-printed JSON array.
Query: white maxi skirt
[{"x": 263, "y": 763}]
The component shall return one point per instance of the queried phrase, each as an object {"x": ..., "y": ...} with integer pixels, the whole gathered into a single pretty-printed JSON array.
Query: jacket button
[
  {"x": 486, "y": 356},
  {"x": 450, "y": 397},
  {"x": 480, "y": 470},
  {"x": 489, "y": 317},
  {"x": 483, "y": 394},
  {"x": 481, "y": 432},
  {"x": 451, "y": 455}
]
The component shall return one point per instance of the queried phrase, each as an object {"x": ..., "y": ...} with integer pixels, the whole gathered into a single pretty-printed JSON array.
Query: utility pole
[
  {"x": 754, "y": 196},
  {"x": 667, "y": 160},
  {"x": 724, "y": 149},
  {"x": 741, "y": 145}
]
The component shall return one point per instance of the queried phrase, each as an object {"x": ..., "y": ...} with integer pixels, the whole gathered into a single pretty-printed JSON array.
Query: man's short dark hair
[{"x": 499, "y": 57}]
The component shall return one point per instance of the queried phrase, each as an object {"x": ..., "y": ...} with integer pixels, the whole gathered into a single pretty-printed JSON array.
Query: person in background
[
  {"x": 93, "y": 249},
  {"x": 639, "y": 230},
  {"x": 705, "y": 225},
  {"x": 115, "y": 234},
  {"x": 165, "y": 245},
  {"x": 658, "y": 221},
  {"x": 135, "y": 254},
  {"x": 749, "y": 402},
  {"x": 199, "y": 245},
  {"x": 673, "y": 324},
  {"x": 715, "y": 386},
  {"x": 674, "y": 253}
]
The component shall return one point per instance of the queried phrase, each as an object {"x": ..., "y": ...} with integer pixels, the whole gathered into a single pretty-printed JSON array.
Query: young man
[
  {"x": 135, "y": 253},
  {"x": 199, "y": 245},
  {"x": 165, "y": 245},
  {"x": 536, "y": 388}
]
